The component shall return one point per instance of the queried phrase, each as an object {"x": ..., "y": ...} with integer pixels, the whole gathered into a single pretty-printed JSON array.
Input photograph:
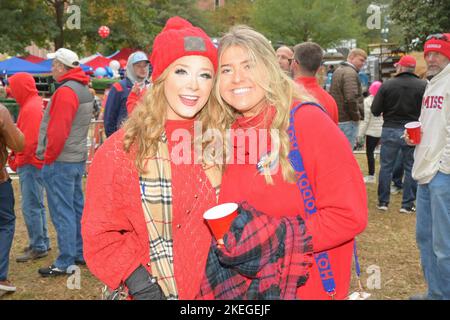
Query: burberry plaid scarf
[{"x": 156, "y": 194}]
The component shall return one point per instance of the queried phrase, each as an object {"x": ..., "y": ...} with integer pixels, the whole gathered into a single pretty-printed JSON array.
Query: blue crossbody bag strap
[{"x": 322, "y": 259}]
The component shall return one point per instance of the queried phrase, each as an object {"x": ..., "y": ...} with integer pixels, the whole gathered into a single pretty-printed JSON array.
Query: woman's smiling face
[
  {"x": 187, "y": 87},
  {"x": 237, "y": 85}
]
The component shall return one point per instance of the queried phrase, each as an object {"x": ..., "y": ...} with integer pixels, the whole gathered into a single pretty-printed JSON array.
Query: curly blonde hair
[
  {"x": 280, "y": 90},
  {"x": 145, "y": 126}
]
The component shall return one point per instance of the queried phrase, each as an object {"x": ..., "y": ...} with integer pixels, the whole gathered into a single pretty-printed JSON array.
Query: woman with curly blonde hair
[
  {"x": 146, "y": 192},
  {"x": 311, "y": 173}
]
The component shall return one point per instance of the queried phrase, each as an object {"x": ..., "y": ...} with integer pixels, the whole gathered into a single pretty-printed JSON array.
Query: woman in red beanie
[
  {"x": 142, "y": 223},
  {"x": 252, "y": 88}
]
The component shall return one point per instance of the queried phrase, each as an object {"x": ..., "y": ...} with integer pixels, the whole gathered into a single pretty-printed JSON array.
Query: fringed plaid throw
[{"x": 264, "y": 258}]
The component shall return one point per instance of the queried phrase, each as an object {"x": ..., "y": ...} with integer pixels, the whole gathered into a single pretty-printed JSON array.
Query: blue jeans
[
  {"x": 391, "y": 144},
  {"x": 7, "y": 226},
  {"x": 397, "y": 175},
  {"x": 350, "y": 129},
  {"x": 63, "y": 183},
  {"x": 433, "y": 234},
  {"x": 33, "y": 209}
]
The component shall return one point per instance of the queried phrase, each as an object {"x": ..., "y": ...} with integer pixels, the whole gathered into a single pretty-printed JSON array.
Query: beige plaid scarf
[{"x": 156, "y": 195}]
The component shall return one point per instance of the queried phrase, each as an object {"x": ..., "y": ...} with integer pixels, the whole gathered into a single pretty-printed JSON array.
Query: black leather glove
[{"x": 142, "y": 286}]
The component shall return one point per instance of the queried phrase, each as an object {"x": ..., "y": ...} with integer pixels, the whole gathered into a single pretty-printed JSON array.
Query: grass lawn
[{"x": 387, "y": 247}]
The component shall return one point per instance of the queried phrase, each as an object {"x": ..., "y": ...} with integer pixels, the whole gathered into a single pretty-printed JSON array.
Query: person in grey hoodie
[{"x": 115, "y": 108}]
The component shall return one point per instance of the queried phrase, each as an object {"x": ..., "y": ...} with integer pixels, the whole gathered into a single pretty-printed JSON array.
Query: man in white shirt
[{"x": 431, "y": 169}]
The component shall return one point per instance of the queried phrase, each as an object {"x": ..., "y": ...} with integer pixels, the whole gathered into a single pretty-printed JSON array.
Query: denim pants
[
  {"x": 63, "y": 183},
  {"x": 433, "y": 234},
  {"x": 7, "y": 226},
  {"x": 33, "y": 209},
  {"x": 391, "y": 144},
  {"x": 397, "y": 175},
  {"x": 350, "y": 129}
]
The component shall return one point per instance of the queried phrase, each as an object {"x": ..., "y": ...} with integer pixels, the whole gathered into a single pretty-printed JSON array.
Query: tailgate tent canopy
[
  {"x": 122, "y": 54},
  {"x": 15, "y": 65},
  {"x": 47, "y": 64},
  {"x": 89, "y": 58},
  {"x": 32, "y": 58},
  {"x": 98, "y": 62}
]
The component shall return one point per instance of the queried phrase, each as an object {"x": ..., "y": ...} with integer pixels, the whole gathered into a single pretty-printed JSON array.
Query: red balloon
[{"x": 103, "y": 31}]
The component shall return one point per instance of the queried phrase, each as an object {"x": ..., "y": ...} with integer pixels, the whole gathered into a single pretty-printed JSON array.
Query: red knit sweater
[
  {"x": 115, "y": 236},
  {"x": 192, "y": 195},
  {"x": 337, "y": 184}
]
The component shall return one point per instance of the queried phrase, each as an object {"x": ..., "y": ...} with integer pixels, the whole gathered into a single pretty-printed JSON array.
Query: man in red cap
[
  {"x": 398, "y": 99},
  {"x": 432, "y": 171}
]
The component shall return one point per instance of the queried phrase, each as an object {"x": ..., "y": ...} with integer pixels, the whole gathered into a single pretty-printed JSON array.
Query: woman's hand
[
  {"x": 142, "y": 286},
  {"x": 136, "y": 89}
]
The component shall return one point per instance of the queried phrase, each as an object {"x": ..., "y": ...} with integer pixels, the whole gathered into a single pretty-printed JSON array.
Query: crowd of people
[{"x": 192, "y": 126}]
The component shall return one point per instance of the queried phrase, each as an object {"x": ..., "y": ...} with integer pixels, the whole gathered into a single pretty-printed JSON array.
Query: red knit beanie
[
  {"x": 180, "y": 38},
  {"x": 438, "y": 45}
]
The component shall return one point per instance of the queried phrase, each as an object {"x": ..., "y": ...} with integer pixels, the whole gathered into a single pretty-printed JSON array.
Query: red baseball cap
[{"x": 407, "y": 61}]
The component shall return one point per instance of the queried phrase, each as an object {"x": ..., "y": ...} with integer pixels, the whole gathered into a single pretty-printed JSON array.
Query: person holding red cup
[
  {"x": 326, "y": 199},
  {"x": 220, "y": 218},
  {"x": 431, "y": 169}
]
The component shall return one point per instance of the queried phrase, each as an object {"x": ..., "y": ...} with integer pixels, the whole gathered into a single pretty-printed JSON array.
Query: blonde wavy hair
[
  {"x": 145, "y": 126},
  {"x": 280, "y": 90}
]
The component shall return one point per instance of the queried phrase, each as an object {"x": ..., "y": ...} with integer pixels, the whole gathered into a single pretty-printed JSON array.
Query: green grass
[{"x": 388, "y": 243}]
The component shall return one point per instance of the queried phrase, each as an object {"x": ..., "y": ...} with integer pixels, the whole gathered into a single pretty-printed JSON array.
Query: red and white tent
[
  {"x": 98, "y": 62},
  {"x": 32, "y": 58}
]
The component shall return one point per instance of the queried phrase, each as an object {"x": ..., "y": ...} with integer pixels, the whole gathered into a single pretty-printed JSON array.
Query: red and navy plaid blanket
[{"x": 264, "y": 258}]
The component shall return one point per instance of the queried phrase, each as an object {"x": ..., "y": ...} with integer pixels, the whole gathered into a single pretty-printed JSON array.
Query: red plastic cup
[
  {"x": 219, "y": 218},
  {"x": 413, "y": 129}
]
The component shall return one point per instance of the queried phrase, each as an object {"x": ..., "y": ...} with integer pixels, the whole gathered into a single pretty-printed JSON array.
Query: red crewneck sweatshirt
[
  {"x": 323, "y": 97},
  {"x": 336, "y": 181}
]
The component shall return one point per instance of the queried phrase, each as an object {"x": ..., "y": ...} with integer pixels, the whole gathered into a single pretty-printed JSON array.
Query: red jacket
[
  {"x": 23, "y": 89},
  {"x": 114, "y": 231},
  {"x": 64, "y": 107},
  {"x": 323, "y": 97},
  {"x": 338, "y": 187}
]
